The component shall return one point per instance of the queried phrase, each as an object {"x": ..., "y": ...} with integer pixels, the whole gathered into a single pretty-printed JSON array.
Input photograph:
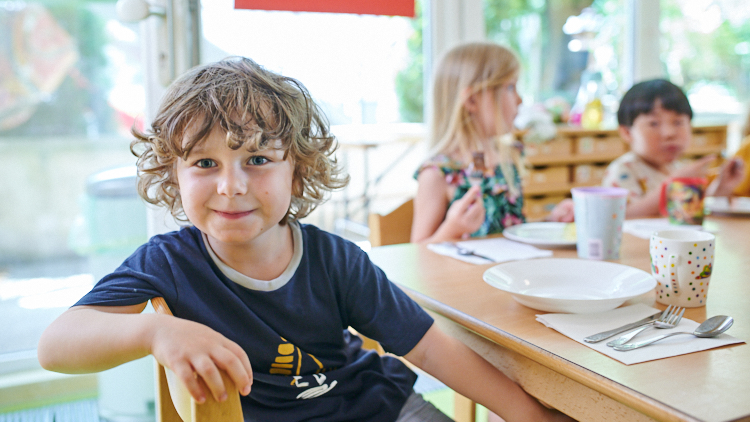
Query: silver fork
[{"x": 668, "y": 319}]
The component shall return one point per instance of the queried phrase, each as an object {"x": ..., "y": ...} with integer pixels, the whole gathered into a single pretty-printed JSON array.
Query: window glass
[
  {"x": 534, "y": 30},
  {"x": 705, "y": 48},
  {"x": 348, "y": 62},
  {"x": 70, "y": 89}
]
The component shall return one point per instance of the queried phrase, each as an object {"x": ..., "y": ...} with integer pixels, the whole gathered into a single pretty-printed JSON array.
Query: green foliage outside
[
  {"x": 691, "y": 58},
  {"x": 410, "y": 81}
]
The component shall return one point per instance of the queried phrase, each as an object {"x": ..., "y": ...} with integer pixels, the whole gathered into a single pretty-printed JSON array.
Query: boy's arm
[
  {"x": 643, "y": 206},
  {"x": 95, "y": 338},
  {"x": 467, "y": 373},
  {"x": 648, "y": 204},
  {"x": 731, "y": 174}
]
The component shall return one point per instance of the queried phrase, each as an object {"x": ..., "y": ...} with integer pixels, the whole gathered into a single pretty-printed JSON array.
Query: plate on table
[
  {"x": 573, "y": 286},
  {"x": 543, "y": 234},
  {"x": 737, "y": 205}
]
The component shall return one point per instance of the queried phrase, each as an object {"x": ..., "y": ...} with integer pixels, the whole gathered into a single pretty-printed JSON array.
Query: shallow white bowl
[{"x": 569, "y": 285}]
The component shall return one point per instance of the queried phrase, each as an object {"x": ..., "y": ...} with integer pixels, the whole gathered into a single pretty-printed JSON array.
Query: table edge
[{"x": 623, "y": 394}]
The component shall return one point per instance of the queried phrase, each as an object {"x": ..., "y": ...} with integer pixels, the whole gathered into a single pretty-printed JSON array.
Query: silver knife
[{"x": 595, "y": 338}]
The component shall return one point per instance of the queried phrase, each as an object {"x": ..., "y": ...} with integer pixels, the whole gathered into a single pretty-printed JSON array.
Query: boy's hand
[
  {"x": 731, "y": 174},
  {"x": 466, "y": 215},
  {"x": 698, "y": 168},
  {"x": 194, "y": 350}
]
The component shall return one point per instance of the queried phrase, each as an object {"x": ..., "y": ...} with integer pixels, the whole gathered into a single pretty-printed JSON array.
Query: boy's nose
[
  {"x": 232, "y": 182},
  {"x": 668, "y": 130}
]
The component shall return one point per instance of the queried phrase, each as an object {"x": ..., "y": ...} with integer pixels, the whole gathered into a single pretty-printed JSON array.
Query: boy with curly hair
[{"x": 241, "y": 154}]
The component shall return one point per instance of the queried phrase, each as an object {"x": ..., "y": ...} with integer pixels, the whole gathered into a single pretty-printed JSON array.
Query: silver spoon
[
  {"x": 468, "y": 252},
  {"x": 711, "y": 327}
]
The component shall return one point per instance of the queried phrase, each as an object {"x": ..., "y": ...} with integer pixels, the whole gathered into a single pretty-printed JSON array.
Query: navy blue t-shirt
[{"x": 306, "y": 366}]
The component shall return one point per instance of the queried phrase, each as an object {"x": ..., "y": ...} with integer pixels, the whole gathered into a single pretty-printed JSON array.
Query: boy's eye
[
  {"x": 205, "y": 163},
  {"x": 258, "y": 160}
]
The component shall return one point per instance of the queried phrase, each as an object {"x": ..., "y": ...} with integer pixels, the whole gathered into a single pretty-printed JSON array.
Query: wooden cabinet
[{"x": 578, "y": 157}]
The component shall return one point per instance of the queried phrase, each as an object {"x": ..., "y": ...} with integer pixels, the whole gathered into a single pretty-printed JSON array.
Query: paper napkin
[
  {"x": 578, "y": 326},
  {"x": 498, "y": 249}
]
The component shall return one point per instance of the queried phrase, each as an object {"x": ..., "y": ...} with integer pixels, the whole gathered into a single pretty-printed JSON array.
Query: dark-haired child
[{"x": 654, "y": 119}]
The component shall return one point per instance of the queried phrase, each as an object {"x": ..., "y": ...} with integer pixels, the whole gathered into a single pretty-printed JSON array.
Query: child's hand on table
[
  {"x": 465, "y": 215},
  {"x": 563, "y": 212},
  {"x": 194, "y": 350},
  {"x": 698, "y": 168},
  {"x": 730, "y": 175}
]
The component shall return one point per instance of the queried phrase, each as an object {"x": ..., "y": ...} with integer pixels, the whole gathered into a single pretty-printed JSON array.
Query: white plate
[
  {"x": 739, "y": 205},
  {"x": 541, "y": 234},
  {"x": 574, "y": 286}
]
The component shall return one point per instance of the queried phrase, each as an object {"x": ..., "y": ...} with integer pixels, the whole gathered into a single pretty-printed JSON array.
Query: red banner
[{"x": 366, "y": 7}]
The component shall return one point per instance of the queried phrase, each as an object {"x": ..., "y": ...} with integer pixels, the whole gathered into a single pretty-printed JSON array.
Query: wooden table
[{"x": 712, "y": 385}]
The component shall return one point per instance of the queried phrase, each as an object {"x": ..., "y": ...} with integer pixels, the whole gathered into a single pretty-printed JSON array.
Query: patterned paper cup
[
  {"x": 599, "y": 213},
  {"x": 682, "y": 262}
]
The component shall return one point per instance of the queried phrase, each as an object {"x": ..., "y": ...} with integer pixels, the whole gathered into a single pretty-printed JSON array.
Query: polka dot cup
[{"x": 682, "y": 262}]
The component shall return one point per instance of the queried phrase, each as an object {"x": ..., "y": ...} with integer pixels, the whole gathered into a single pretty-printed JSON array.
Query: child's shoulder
[
  {"x": 442, "y": 162},
  {"x": 628, "y": 159},
  {"x": 184, "y": 239},
  {"x": 317, "y": 238}
]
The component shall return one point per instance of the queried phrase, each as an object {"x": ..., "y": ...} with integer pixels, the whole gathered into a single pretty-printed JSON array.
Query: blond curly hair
[{"x": 257, "y": 109}]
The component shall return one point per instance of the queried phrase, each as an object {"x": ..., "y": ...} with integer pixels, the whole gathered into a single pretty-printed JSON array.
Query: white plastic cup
[{"x": 599, "y": 213}]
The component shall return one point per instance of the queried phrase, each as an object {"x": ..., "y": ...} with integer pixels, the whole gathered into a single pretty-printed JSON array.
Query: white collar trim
[{"x": 262, "y": 285}]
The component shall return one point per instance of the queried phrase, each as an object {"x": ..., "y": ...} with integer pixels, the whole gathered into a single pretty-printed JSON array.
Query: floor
[{"x": 79, "y": 411}]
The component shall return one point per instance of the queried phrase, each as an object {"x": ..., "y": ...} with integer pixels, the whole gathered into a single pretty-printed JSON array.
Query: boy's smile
[
  {"x": 236, "y": 197},
  {"x": 659, "y": 137}
]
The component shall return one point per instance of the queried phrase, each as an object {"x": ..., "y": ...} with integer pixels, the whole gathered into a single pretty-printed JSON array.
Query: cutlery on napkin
[
  {"x": 578, "y": 326},
  {"x": 496, "y": 249}
]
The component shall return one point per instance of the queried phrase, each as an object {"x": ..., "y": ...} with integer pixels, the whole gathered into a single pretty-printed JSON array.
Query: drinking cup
[
  {"x": 682, "y": 262},
  {"x": 599, "y": 212},
  {"x": 682, "y": 200}
]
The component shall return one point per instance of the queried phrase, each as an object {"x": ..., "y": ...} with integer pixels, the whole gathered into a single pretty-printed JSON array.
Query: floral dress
[{"x": 502, "y": 208}]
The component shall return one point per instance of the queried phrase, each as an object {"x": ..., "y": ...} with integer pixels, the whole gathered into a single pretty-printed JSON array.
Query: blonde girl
[{"x": 474, "y": 105}]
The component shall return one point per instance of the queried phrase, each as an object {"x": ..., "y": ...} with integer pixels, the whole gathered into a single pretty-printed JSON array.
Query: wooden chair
[
  {"x": 392, "y": 228},
  {"x": 174, "y": 403}
]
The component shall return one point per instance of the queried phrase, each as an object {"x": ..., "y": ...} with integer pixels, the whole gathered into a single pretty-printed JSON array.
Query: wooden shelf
[
  {"x": 575, "y": 146},
  {"x": 694, "y": 150},
  {"x": 541, "y": 160},
  {"x": 546, "y": 189}
]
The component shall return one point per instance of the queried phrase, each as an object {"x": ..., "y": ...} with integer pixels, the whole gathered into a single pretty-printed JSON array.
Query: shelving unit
[{"x": 578, "y": 157}]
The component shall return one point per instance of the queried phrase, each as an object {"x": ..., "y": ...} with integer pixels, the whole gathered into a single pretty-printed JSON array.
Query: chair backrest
[
  {"x": 174, "y": 403},
  {"x": 392, "y": 228}
]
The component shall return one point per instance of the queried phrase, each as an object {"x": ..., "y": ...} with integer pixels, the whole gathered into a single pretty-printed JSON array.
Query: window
[
  {"x": 70, "y": 89},
  {"x": 348, "y": 62},
  {"x": 705, "y": 48}
]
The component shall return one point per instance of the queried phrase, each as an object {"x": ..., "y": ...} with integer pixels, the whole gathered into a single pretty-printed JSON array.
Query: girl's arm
[
  {"x": 95, "y": 338},
  {"x": 433, "y": 221},
  {"x": 467, "y": 373}
]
